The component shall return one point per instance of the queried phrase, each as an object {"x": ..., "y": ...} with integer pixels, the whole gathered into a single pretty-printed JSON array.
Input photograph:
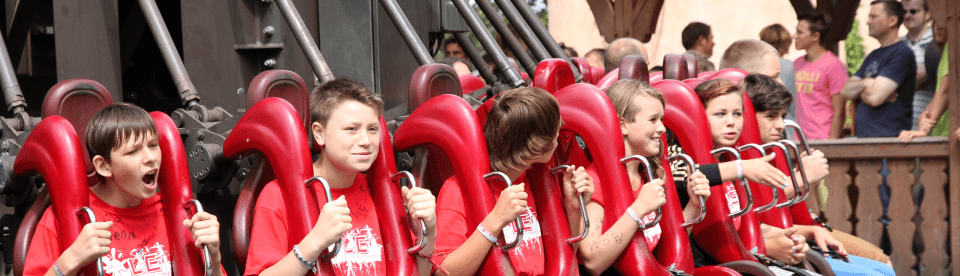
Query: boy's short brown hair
[
  {"x": 521, "y": 125},
  {"x": 109, "y": 128},
  {"x": 328, "y": 96},
  {"x": 766, "y": 93}
]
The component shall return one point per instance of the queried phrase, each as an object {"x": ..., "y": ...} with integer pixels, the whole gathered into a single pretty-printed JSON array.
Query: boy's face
[
  {"x": 725, "y": 114},
  {"x": 803, "y": 39},
  {"x": 133, "y": 167},
  {"x": 351, "y": 138},
  {"x": 771, "y": 124}
]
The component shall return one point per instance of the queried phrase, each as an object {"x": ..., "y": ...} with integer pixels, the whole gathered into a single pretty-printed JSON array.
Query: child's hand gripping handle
[
  {"x": 703, "y": 201},
  {"x": 583, "y": 211},
  {"x": 649, "y": 171},
  {"x": 207, "y": 264},
  {"x": 422, "y": 234},
  {"x": 92, "y": 218},
  {"x": 776, "y": 195},
  {"x": 326, "y": 191},
  {"x": 742, "y": 180},
  {"x": 518, "y": 221}
]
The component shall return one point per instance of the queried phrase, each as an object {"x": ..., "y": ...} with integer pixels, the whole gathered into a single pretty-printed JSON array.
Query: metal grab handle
[
  {"x": 703, "y": 201},
  {"x": 787, "y": 123},
  {"x": 646, "y": 166},
  {"x": 518, "y": 221},
  {"x": 803, "y": 174},
  {"x": 776, "y": 195},
  {"x": 743, "y": 181},
  {"x": 422, "y": 235},
  {"x": 583, "y": 210},
  {"x": 207, "y": 264},
  {"x": 326, "y": 191},
  {"x": 93, "y": 218},
  {"x": 796, "y": 186}
]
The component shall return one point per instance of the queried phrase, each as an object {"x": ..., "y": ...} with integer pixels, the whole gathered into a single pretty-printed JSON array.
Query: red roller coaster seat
[
  {"x": 596, "y": 73},
  {"x": 691, "y": 65},
  {"x": 584, "y": 66},
  {"x": 470, "y": 83},
  {"x": 609, "y": 79},
  {"x": 273, "y": 128},
  {"x": 53, "y": 150},
  {"x": 675, "y": 67},
  {"x": 656, "y": 76},
  {"x": 553, "y": 74},
  {"x": 282, "y": 84},
  {"x": 429, "y": 81},
  {"x": 450, "y": 124},
  {"x": 635, "y": 68},
  {"x": 734, "y": 75},
  {"x": 716, "y": 233},
  {"x": 77, "y": 100}
]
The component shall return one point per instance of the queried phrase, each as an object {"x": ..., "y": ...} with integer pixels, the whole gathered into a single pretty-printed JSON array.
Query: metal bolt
[
  {"x": 5, "y": 145},
  {"x": 268, "y": 30},
  {"x": 240, "y": 91},
  {"x": 199, "y": 135},
  {"x": 270, "y": 62}
]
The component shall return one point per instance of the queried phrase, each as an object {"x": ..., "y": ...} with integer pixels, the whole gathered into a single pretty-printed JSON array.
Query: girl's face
[
  {"x": 725, "y": 114},
  {"x": 771, "y": 124},
  {"x": 642, "y": 136}
]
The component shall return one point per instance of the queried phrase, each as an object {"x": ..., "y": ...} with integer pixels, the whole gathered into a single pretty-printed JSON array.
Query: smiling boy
[{"x": 131, "y": 236}]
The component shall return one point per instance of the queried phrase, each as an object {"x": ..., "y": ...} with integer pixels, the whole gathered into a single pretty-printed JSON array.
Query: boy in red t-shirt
[
  {"x": 521, "y": 129},
  {"x": 131, "y": 237},
  {"x": 345, "y": 123}
]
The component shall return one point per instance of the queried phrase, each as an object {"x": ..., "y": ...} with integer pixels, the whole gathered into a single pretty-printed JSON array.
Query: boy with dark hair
[
  {"x": 698, "y": 40},
  {"x": 344, "y": 117},
  {"x": 521, "y": 129},
  {"x": 819, "y": 78},
  {"x": 132, "y": 239}
]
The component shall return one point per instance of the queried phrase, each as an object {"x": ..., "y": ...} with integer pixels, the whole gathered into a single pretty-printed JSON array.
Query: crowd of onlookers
[{"x": 899, "y": 91}]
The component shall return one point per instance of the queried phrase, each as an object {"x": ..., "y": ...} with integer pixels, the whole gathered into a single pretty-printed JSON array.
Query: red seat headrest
[
  {"x": 449, "y": 123},
  {"x": 282, "y": 84},
  {"x": 77, "y": 100},
  {"x": 691, "y": 65},
  {"x": 656, "y": 76},
  {"x": 635, "y": 68},
  {"x": 597, "y": 73},
  {"x": 553, "y": 74},
  {"x": 610, "y": 78},
  {"x": 470, "y": 83},
  {"x": 675, "y": 67},
  {"x": 431, "y": 80},
  {"x": 584, "y": 66},
  {"x": 734, "y": 75}
]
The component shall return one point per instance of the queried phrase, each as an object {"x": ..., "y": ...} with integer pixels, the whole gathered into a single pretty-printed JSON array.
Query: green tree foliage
[{"x": 854, "y": 48}]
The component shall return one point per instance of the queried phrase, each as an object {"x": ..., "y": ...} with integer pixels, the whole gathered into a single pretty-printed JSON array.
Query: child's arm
[
  {"x": 576, "y": 182},
  {"x": 697, "y": 185},
  {"x": 93, "y": 242},
  {"x": 206, "y": 232},
  {"x": 757, "y": 170},
  {"x": 423, "y": 206},
  {"x": 821, "y": 237},
  {"x": 600, "y": 249},
  {"x": 334, "y": 220},
  {"x": 467, "y": 258},
  {"x": 784, "y": 245}
]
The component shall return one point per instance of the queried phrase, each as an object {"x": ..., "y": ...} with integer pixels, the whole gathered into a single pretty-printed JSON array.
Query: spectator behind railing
[
  {"x": 779, "y": 37},
  {"x": 698, "y": 40},
  {"x": 918, "y": 37},
  {"x": 452, "y": 48},
  {"x": 933, "y": 121},
  {"x": 620, "y": 48},
  {"x": 819, "y": 78},
  {"x": 885, "y": 83}
]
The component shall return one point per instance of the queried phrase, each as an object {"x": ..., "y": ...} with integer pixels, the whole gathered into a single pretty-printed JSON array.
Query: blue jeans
[{"x": 860, "y": 267}]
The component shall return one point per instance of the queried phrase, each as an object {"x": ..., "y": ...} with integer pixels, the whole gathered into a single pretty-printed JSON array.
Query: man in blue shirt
[{"x": 884, "y": 85}]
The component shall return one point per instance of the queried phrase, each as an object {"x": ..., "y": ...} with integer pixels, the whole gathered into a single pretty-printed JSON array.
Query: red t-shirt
[
  {"x": 362, "y": 252},
  {"x": 733, "y": 201},
  {"x": 452, "y": 229},
  {"x": 651, "y": 234},
  {"x": 138, "y": 246}
]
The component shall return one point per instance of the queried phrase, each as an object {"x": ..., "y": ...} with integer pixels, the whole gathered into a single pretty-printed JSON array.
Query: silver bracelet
[
  {"x": 486, "y": 233},
  {"x": 634, "y": 216},
  {"x": 312, "y": 266},
  {"x": 56, "y": 269}
]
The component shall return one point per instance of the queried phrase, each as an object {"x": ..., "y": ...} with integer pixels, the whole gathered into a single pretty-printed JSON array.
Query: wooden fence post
[{"x": 953, "y": 27}]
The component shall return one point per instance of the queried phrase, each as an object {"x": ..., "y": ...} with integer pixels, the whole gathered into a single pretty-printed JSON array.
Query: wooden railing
[{"x": 918, "y": 221}]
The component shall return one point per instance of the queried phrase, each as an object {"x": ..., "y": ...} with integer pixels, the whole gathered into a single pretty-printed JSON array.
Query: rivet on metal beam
[
  {"x": 268, "y": 30},
  {"x": 270, "y": 62}
]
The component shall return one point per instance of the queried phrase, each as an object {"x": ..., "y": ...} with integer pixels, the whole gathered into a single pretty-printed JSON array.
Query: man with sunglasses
[{"x": 918, "y": 37}]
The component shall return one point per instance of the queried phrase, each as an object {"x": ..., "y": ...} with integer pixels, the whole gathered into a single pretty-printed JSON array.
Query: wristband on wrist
[
  {"x": 634, "y": 216},
  {"x": 486, "y": 233},
  {"x": 312, "y": 266},
  {"x": 739, "y": 169},
  {"x": 56, "y": 269}
]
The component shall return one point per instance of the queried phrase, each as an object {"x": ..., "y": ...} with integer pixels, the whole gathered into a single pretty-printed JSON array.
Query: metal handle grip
[
  {"x": 803, "y": 173},
  {"x": 776, "y": 195},
  {"x": 207, "y": 264},
  {"x": 518, "y": 221},
  {"x": 326, "y": 191},
  {"x": 649, "y": 170},
  {"x": 703, "y": 201},
  {"x": 93, "y": 218},
  {"x": 583, "y": 210},
  {"x": 743, "y": 181},
  {"x": 796, "y": 186},
  {"x": 787, "y": 123},
  {"x": 421, "y": 236}
]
